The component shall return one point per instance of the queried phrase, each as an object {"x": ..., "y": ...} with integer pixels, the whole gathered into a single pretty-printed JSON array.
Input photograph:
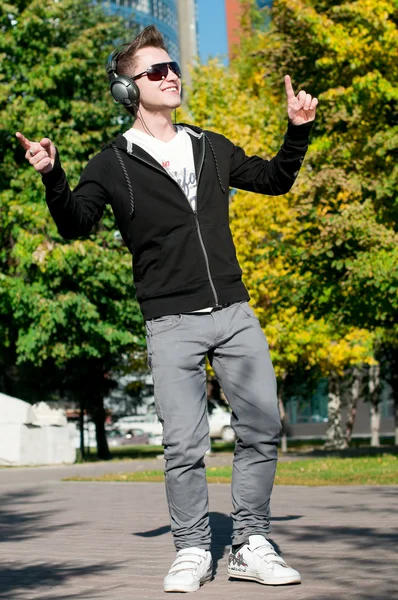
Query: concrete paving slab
[{"x": 83, "y": 541}]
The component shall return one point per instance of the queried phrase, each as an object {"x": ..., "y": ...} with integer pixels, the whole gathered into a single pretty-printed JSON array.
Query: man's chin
[
  {"x": 171, "y": 104},
  {"x": 176, "y": 102}
]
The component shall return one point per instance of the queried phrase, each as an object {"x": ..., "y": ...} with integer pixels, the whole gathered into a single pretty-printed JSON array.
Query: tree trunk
[
  {"x": 375, "y": 425},
  {"x": 81, "y": 429},
  {"x": 374, "y": 393},
  {"x": 355, "y": 391},
  {"x": 98, "y": 416},
  {"x": 283, "y": 416},
  {"x": 334, "y": 434},
  {"x": 394, "y": 385}
]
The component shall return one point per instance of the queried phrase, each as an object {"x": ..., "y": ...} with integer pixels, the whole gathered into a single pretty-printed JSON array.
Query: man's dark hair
[{"x": 149, "y": 37}]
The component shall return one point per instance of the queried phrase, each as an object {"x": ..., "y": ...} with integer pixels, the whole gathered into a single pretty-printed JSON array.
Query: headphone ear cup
[{"x": 125, "y": 91}]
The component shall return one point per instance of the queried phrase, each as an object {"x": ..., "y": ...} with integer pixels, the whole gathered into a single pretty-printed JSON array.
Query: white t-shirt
[{"x": 175, "y": 156}]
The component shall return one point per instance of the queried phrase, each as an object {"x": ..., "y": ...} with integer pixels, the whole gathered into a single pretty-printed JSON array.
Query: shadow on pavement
[
  {"x": 287, "y": 518},
  {"x": 350, "y": 452},
  {"x": 153, "y": 532},
  {"x": 369, "y": 499},
  {"x": 17, "y": 524},
  {"x": 354, "y": 561},
  {"x": 360, "y": 538},
  {"x": 221, "y": 527},
  {"x": 20, "y": 520},
  {"x": 17, "y": 580}
]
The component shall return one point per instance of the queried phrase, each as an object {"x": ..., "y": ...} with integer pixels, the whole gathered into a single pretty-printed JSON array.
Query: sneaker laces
[{"x": 186, "y": 560}]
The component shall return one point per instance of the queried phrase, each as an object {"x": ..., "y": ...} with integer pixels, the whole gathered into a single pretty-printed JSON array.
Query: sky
[{"x": 212, "y": 29}]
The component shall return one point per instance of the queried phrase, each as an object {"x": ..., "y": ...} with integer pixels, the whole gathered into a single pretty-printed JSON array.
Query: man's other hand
[
  {"x": 301, "y": 108},
  {"x": 41, "y": 155}
]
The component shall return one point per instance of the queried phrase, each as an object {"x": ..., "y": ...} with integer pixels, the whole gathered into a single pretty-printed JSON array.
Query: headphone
[{"x": 123, "y": 89}]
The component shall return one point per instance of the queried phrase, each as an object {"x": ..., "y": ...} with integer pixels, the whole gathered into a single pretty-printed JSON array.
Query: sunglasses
[{"x": 159, "y": 71}]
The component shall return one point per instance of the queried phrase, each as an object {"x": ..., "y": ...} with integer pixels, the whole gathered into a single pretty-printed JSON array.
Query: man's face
[{"x": 157, "y": 96}]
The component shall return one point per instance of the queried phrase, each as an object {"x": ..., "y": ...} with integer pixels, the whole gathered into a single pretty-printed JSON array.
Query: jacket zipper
[
  {"x": 205, "y": 256},
  {"x": 213, "y": 287},
  {"x": 161, "y": 170}
]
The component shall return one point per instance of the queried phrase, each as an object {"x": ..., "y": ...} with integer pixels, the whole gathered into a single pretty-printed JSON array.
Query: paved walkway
[{"x": 63, "y": 541}]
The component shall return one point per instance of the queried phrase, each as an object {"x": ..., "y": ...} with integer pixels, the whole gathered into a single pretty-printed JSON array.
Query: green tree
[
  {"x": 346, "y": 200},
  {"x": 66, "y": 309},
  {"x": 351, "y": 191},
  {"x": 267, "y": 231},
  {"x": 345, "y": 53}
]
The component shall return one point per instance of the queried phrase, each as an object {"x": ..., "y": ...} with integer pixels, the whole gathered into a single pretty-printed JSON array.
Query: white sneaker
[
  {"x": 192, "y": 568},
  {"x": 258, "y": 561}
]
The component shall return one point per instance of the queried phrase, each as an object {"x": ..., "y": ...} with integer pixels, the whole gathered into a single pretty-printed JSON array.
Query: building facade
[
  {"x": 175, "y": 19},
  {"x": 233, "y": 13},
  {"x": 141, "y": 13},
  {"x": 188, "y": 35}
]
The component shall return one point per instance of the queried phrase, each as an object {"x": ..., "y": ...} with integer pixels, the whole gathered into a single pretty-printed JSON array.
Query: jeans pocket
[
  {"x": 247, "y": 309},
  {"x": 149, "y": 351},
  {"x": 163, "y": 324}
]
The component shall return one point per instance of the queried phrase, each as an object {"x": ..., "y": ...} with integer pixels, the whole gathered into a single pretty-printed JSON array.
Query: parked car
[
  {"x": 133, "y": 437},
  {"x": 219, "y": 423},
  {"x": 149, "y": 423},
  {"x": 155, "y": 440}
]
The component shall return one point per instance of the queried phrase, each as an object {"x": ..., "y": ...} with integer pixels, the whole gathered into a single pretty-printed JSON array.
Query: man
[{"x": 168, "y": 188}]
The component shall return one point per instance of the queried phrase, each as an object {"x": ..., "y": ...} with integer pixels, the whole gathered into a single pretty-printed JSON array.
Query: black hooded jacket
[{"x": 182, "y": 260}]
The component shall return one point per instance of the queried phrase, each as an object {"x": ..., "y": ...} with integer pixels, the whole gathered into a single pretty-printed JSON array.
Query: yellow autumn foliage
[{"x": 263, "y": 227}]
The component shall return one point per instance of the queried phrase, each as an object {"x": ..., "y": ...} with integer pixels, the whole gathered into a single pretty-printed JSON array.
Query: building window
[{"x": 142, "y": 5}]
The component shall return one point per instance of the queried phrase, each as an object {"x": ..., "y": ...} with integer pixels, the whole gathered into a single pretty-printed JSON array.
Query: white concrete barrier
[{"x": 33, "y": 435}]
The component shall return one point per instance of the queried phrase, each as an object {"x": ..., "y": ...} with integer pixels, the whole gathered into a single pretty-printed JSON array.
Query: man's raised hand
[
  {"x": 41, "y": 155},
  {"x": 301, "y": 108}
]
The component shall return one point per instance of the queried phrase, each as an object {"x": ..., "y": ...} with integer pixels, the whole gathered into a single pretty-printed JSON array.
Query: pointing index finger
[
  {"x": 25, "y": 143},
  {"x": 289, "y": 87}
]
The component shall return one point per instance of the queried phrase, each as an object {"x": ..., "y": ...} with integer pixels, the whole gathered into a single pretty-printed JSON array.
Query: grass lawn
[
  {"x": 295, "y": 446},
  {"x": 145, "y": 451},
  {"x": 363, "y": 470}
]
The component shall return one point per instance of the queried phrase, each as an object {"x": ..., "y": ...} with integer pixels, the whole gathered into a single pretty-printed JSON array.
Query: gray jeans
[{"x": 238, "y": 351}]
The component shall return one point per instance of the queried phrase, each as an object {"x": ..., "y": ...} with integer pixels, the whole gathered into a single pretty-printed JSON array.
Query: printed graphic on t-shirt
[
  {"x": 175, "y": 156},
  {"x": 187, "y": 181}
]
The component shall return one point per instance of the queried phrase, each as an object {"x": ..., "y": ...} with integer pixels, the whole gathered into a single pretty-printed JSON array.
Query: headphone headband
[{"x": 111, "y": 65}]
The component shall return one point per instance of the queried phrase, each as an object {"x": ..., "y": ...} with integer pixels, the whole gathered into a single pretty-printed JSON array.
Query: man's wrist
[
  {"x": 54, "y": 175},
  {"x": 299, "y": 131}
]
